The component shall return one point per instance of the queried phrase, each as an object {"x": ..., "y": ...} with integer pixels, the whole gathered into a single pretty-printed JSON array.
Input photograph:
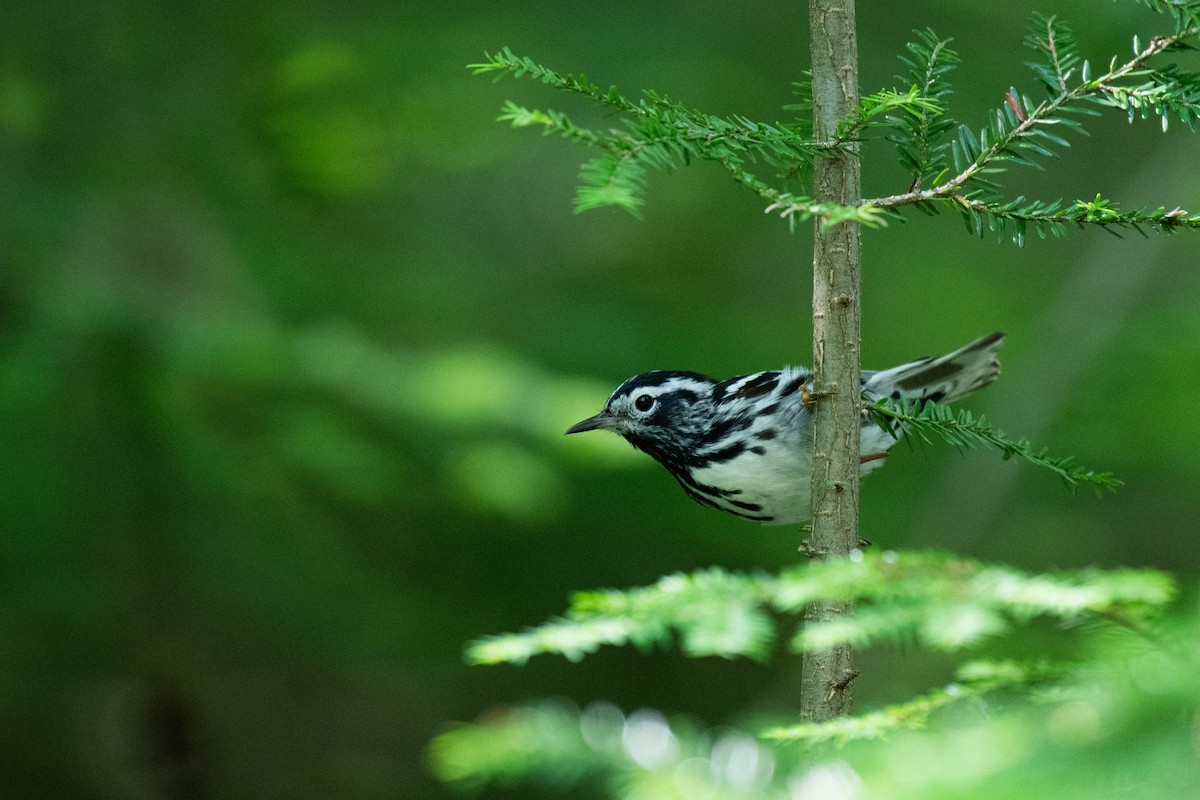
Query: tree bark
[{"x": 827, "y": 675}]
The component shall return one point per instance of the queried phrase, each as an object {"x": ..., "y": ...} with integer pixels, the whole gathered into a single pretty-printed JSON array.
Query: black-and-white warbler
[{"x": 744, "y": 445}]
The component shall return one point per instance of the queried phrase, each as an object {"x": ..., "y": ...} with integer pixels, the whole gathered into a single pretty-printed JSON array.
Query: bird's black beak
[{"x": 598, "y": 422}]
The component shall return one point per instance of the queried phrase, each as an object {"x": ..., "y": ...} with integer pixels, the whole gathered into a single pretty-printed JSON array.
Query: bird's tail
[{"x": 942, "y": 379}]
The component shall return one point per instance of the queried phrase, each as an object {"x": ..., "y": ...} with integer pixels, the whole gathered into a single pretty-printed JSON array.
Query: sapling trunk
[{"x": 827, "y": 674}]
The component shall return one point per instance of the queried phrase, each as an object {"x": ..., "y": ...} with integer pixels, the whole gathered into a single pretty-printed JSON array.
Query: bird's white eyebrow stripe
[{"x": 668, "y": 385}]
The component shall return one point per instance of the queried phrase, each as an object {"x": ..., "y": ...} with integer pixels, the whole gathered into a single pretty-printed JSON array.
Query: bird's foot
[{"x": 808, "y": 397}]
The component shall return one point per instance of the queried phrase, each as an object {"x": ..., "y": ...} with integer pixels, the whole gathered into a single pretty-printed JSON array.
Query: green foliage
[
  {"x": 920, "y": 137},
  {"x": 958, "y": 171},
  {"x": 914, "y": 105},
  {"x": 1119, "y": 721},
  {"x": 662, "y": 134},
  {"x": 1163, "y": 93},
  {"x": 962, "y": 429},
  {"x": 1015, "y": 217},
  {"x": 714, "y": 613},
  {"x": 948, "y": 603},
  {"x": 658, "y": 133},
  {"x": 934, "y": 599},
  {"x": 1058, "y": 52},
  {"x": 1022, "y": 131}
]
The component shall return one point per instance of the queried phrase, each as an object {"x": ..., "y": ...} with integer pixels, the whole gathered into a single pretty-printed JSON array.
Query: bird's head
[{"x": 660, "y": 412}]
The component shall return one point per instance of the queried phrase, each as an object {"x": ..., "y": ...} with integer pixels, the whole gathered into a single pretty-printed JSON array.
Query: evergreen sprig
[
  {"x": 877, "y": 109},
  {"x": 1058, "y": 49},
  {"x": 713, "y": 611},
  {"x": 508, "y": 63},
  {"x": 934, "y": 599},
  {"x": 962, "y": 429},
  {"x": 1015, "y": 218},
  {"x": 920, "y": 137},
  {"x": 658, "y": 133},
  {"x": 1164, "y": 93},
  {"x": 1021, "y": 131}
]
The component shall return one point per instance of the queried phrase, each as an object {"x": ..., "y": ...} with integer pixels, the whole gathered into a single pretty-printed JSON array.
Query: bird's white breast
[{"x": 779, "y": 478}]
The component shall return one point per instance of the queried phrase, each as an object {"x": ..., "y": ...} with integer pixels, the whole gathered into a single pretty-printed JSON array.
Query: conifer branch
[
  {"x": 678, "y": 122},
  {"x": 713, "y": 611},
  {"x": 934, "y": 599},
  {"x": 662, "y": 134},
  {"x": 962, "y": 429},
  {"x": 1022, "y": 130},
  {"x": 1017, "y": 216}
]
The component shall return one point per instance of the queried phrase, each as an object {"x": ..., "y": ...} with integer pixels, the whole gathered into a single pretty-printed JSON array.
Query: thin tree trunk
[{"x": 826, "y": 677}]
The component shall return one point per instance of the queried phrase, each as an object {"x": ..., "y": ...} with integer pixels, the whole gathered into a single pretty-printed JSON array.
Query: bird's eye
[{"x": 644, "y": 402}]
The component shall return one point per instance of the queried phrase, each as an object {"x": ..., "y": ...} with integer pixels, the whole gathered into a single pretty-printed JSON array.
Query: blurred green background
[{"x": 290, "y": 330}]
